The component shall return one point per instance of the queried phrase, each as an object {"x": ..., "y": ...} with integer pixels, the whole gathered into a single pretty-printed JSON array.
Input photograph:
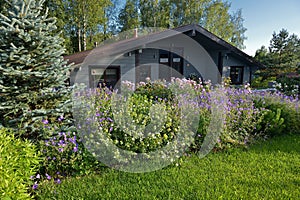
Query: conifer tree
[
  {"x": 33, "y": 73},
  {"x": 129, "y": 17}
]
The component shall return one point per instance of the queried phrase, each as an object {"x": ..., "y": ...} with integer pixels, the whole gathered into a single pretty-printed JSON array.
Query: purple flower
[
  {"x": 38, "y": 176},
  {"x": 54, "y": 158},
  {"x": 75, "y": 149},
  {"x": 60, "y": 149},
  {"x": 111, "y": 129},
  {"x": 61, "y": 118},
  {"x": 31, "y": 177},
  {"x": 45, "y": 121},
  {"x": 61, "y": 143},
  {"x": 35, "y": 186},
  {"x": 73, "y": 140},
  {"x": 58, "y": 181},
  {"x": 48, "y": 176},
  {"x": 109, "y": 119}
]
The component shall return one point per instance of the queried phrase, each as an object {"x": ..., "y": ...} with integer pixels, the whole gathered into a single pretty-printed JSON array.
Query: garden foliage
[
  {"x": 63, "y": 153},
  {"x": 282, "y": 113},
  {"x": 32, "y": 70},
  {"x": 19, "y": 160},
  {"x": 289, "y": 84},
  {"x": 147, "y": 119},
  {"x": 246, "y": 116}
]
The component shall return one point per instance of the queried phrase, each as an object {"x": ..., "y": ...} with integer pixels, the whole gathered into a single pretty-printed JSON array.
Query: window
[
  {"x": 171, "y": 64},
  {"x": 104, "y": 76},
  {"x": 236, "y": 75}
]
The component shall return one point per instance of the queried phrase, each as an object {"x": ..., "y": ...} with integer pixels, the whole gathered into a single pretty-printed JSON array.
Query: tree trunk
[
  {"x": 84, "y": 32},
  {"x": 79, "y": 37}
]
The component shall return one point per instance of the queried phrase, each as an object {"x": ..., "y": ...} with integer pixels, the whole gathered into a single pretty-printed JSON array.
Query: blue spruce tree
[{"x": 33, "y": 73}]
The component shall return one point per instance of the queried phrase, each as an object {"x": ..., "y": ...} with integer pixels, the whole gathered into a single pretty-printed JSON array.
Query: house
[{"x": 185, "y": 51}]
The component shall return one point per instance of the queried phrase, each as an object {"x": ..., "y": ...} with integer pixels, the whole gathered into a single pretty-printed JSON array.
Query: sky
[{"x": 263, "y": 17}]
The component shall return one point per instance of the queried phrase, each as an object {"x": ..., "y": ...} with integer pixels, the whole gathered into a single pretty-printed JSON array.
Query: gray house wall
[
  {"x": 150, "y": 57},
  {"x": 196, "y": 60},
  {"x": 231, "y": 61}
]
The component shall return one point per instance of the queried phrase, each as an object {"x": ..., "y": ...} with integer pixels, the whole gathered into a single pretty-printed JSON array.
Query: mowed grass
[{"x": 266, "y": 170}]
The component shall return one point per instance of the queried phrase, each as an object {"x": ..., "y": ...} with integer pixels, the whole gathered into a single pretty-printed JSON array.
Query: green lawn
[{"x": 267, "y": 170}]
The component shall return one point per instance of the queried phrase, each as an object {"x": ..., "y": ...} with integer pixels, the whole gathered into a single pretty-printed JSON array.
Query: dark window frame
[
  {"x": 91, "y": 80},
  {"x": 234, "y": 70},
  {"x": 170, "y": 55}
]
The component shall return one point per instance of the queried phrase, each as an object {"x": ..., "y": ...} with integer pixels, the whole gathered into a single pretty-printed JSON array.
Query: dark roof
[
  {"x": 77, "y": 58},
  {"x": 210, "y": 41}
]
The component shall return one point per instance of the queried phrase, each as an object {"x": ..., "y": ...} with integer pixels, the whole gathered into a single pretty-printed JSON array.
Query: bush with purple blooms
[
  {"x": 282, "y": 112},
  {"x": 63, "y": 153},
  {"x": 104, "y": 117},
  {"x": 245, "y": 119},
  {"x": 139, "y": 121}
]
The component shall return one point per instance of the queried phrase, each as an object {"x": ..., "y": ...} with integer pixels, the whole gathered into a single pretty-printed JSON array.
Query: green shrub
[
  {"x": 139, "y": 109},
  {"x": 19, "y": 160},
  {"x": 138, "y": 121},
  {"x": 259, "y": 82},
  {"x": 155, "y": 90},
  {"x": 289, "y": 85},
  {"x": 282, "y": 113}
]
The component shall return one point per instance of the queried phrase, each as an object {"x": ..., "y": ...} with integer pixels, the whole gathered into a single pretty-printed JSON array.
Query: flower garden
[
  {"x": 64, "y": 152},
  {"x": 184, "y": 139}
]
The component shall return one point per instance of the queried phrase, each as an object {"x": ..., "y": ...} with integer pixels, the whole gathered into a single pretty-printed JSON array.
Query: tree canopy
[
  {"x": 84, "y": 22},
  {"x": 281, "y": 57}
]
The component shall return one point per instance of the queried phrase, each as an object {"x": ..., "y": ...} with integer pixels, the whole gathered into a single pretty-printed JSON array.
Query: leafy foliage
[
  {"x": 80, "y": 29},
  {"x": 63, "y": 152},
  {"x": 156, "y": 90},
  {"x": 19, "y": 160},
  {"x": 128, "y": 17},
  {"x": 289, "y": 84},
  {"x": 247, "y": 118},
  {"x": 33, "y": 73},
  {"x": 212, "y": 15},
  {"x": 282, "y": 113},
  {"x": 282, "y": 56}
]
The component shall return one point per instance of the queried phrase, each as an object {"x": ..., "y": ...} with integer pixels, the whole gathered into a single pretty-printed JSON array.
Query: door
[{"x": 170, "y": 64}]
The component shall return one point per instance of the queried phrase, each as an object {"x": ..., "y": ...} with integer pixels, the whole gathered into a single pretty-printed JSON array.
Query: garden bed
[{"x": 267, "y": 170}]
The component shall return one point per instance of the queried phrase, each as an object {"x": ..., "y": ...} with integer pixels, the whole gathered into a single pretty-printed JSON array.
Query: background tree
[
  {"x": 129, "y": 17},
  {"x": 112, "y": 27},
  {"x": 84, "y": 22},
  {"x": 282, "y": 56},
  {"x": 33, "y": 73},
  {"x": 57, "y": 9},
  {"x": 155, "y": 13},
  {"x": 219, "y": 21},
  {"x": 211, "y": 14}
]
